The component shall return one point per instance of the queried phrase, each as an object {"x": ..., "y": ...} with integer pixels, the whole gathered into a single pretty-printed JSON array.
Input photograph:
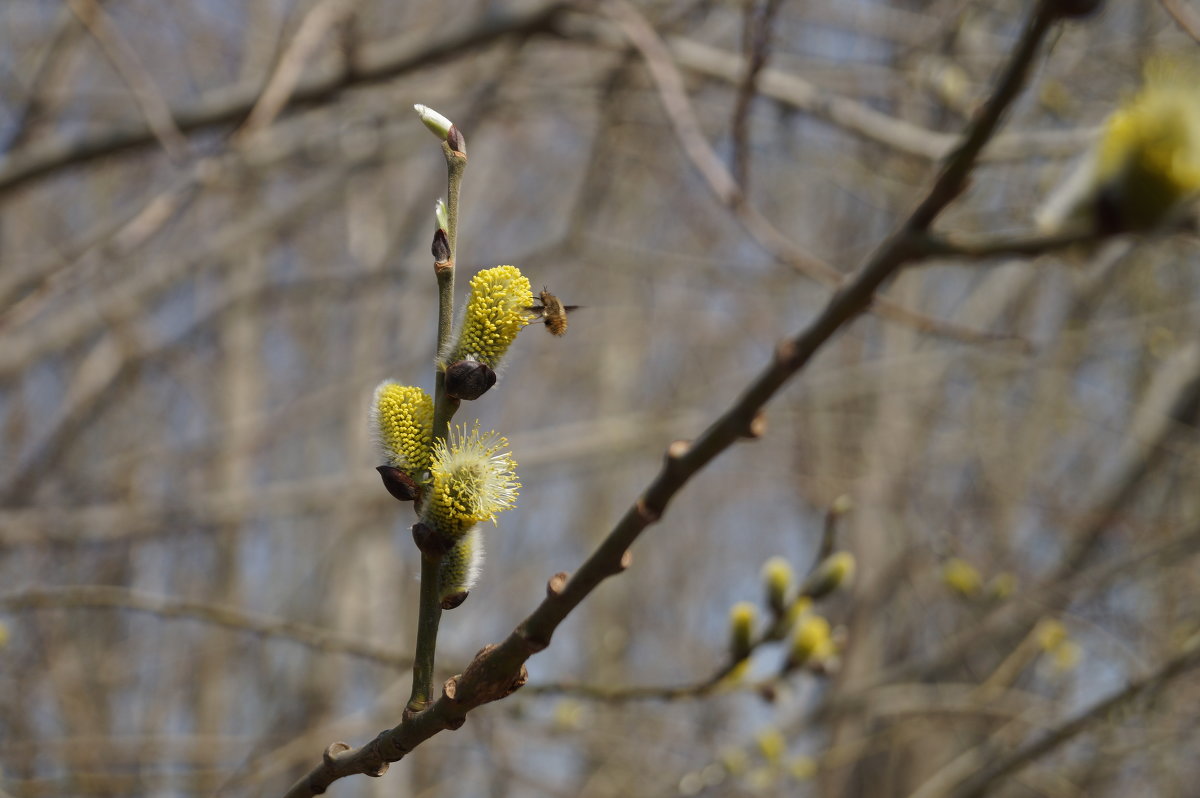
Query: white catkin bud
[
  {"x": 437, "y": 124},
  {"x": 459, "y": 569}
]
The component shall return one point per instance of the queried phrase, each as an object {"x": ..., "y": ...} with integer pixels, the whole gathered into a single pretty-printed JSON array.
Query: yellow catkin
[
  {"x": 402, "y": 422},
  {"x": 473, "y": 479},
  {"x": 496, "y": 312}
]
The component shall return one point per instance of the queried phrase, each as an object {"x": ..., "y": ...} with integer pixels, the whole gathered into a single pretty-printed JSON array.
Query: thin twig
[
  {"x": 286, "y": 76},
  {"x": 120, "y": 598},
  {"x": 49, "y": 63},
  {"x": 933, "y": 247},
  {"x": 757, "y": 47},
  {"x": 124, "y": 59},
  {"x": 1184, "y": 16},
  {"x": 722, "y": 185},
  {"x": 429, "y": 613},
  {"x": 992, "y": 776}
]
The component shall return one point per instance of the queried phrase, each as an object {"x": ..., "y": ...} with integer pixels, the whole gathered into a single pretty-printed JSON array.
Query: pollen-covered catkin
[
  {"x": 473, "y": 479},
  {"x": 495, "y": 313},
  {"x": 402, "y": 424}
]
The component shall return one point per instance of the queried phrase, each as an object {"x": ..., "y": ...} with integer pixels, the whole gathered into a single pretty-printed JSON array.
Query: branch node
[
  {"x": 557, "y": 583},
  {"x": 785, "y": 353},
  {"x": 533, "y": 642},
  {"x": 678, "y": 450},
  {"x": 331, "y": 753},
  {"x": 626, "y": 559},
  {"x": 757, "y": 426},
  {"x": 644, "y": 512},
  {"x": 430, "y": 543}
]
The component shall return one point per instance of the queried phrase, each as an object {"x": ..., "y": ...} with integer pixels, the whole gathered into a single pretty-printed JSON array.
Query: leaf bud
[
  {"x": 442, "y": 214},
  {"x": 777, "y": 579},
  {"x": 438, "y": 125},
  {"x": 741, "y": 629},
  {"x": 811, "y": 641},
  {"x": 961, "y": 577},
  {"x": 834, "y": 571}
]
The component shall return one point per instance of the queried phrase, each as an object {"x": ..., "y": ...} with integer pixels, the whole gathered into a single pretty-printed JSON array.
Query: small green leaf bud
[
  {"x": 1050, "y": 634},
  {"x": 961, "y": 577},
  {"x": 437, "y": 124},
  {"x": 777, "y": 578},
  {"x": 837, "y": 569},
  {"x": 442, "y": 214},
  {"x": 811, "y": 641},
  {"x": 400, "y": 485},
  {"x": 842, "y": 504},
  {"x": 772, "y": 745},
  {"x": 742, "y": 617},
  {"x": 469, "y": 379}
]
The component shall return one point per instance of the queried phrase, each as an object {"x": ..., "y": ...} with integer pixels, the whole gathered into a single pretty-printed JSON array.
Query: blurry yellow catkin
[{"x": 1146, "y": 164}]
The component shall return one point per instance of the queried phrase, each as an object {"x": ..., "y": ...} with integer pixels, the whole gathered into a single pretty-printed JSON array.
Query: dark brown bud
[
  {"x": 441, "y": 246},
  {"x": 456, "y": 141},
  {"x": 430, "y": 542},
  {"x": 454, "y": 599},
  {"x": 469, "y": 379},
  {"x": 399, "y": 484}
]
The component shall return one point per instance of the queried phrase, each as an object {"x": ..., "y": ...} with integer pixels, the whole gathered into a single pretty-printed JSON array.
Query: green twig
[{"x": 429, "y": 615}]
